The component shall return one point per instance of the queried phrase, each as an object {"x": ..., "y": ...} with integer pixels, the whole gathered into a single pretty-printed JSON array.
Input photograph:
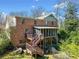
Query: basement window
[{"x": 26, "y": 30}]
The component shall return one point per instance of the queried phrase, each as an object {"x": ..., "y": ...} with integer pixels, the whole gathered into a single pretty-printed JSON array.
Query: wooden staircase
[{"x": 32, "y": 45}]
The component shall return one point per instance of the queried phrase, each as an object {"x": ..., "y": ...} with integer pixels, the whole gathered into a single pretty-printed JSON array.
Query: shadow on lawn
[{"x": 41, "y": 57}]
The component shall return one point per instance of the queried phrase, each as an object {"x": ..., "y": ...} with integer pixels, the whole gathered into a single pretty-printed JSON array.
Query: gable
[{"x": 51, "y": 17}]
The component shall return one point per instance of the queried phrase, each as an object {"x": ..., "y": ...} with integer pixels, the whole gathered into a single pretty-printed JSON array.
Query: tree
[
  {"x": 71, "y": 25},
  {"x": 71, "y": 11},
  {"x": 62, "y": 35},
  {"x": 71, "y": 20},
  {"x": 20, "y": 13},
  {"x": 36, "y": 12},
  {"x": 71, "y": 43}
]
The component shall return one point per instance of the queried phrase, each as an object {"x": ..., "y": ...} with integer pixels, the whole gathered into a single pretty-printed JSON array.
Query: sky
[
  {"x": 8, "y": 6},
  {"x": 25, "y": 5}
]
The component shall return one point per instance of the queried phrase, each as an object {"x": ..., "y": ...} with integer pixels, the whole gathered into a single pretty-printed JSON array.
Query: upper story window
[
  {"x": 46, "y": 22},
  {"x": 34, "y": 22},
  {"x": 23, "y": 21},
  {"x": 52, "y": 23}
]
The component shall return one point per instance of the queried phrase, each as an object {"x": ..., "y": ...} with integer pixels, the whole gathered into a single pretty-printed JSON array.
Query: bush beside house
[{"x": 5, "y": 43}]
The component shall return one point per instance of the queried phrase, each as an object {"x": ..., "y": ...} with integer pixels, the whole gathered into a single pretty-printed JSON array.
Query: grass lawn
[{"x": 13, "y": 55}]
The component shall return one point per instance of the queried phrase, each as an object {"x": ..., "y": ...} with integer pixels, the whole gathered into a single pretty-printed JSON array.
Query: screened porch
[{"x": 47, "y": 31}]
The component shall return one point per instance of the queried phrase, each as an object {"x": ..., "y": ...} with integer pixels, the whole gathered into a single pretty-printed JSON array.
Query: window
[
  {"x": 52, "y": 22},
  {"x": 46, "y": 22},
  {"x": 35, "y": 22},
  {"x": 25, "y": 34},
  {"x": 26, "y": 30},
  {"x": 23, "y": 21}
]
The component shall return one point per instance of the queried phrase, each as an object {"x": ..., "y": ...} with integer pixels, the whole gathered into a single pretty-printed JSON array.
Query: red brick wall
[
  {"x": 18, "y": 33},
  {"x": 40, "y": 22}
]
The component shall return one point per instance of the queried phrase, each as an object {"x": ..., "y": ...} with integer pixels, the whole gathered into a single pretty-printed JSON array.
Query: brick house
[
  {"x": 47, "y": 25},
  {"x": 40, "y": 23}
]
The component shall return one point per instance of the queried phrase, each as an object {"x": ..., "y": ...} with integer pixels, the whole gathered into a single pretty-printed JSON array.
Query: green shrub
[
  {"x": 70, "y": 48},
  {"x": 4, "y": 42},
  {"x": 74, "y": 37},
  {"x": 62, "y": 34}
]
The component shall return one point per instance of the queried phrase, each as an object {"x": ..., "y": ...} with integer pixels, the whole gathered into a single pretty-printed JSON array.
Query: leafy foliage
[
  {"x": 71, "y": 49},
  {"x": 63, "y": 34},
  {"x": 71, "y": 20},
  {"x": 74, "y": 37},
  {"x": 71, "y": 24},
  {"x": 71, "y": 43},
  {"x": 71, "y": 12},
  {"x": 4, "y": 42}
]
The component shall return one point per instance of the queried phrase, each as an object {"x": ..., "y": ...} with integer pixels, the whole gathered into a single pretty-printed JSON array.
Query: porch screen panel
[
  {"x": 42, "y": 31},
  {"x": 46, "y": 32}
]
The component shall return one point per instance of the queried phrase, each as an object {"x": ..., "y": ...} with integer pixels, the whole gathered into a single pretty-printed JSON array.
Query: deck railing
[{"x": 35, "y": 39}]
